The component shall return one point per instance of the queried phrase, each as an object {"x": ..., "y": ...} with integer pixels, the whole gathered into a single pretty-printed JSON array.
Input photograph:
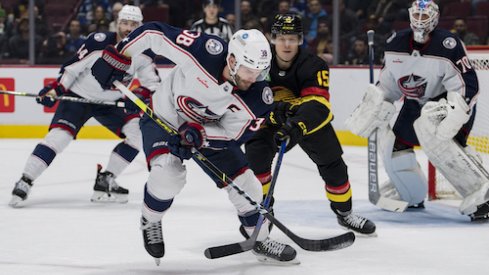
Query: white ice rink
[{"x": 60, "y": 231}]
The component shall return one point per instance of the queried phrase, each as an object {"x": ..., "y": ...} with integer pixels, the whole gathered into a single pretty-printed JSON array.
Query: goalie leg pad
[
  {"x": 250, "y": 184},
  {"x": 462, "y": 169},
  {"x": 167, "y": 177},
  {"x": 403, "y": 170}
]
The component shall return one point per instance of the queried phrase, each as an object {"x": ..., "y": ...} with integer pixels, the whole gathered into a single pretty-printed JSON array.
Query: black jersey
[{"x": 306, "y": 86}]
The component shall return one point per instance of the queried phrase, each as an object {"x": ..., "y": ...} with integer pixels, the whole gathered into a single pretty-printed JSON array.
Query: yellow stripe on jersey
[{"x": 320, "y": 99}]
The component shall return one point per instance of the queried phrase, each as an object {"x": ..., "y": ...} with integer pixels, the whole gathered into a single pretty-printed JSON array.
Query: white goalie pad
[
  {"x": 403, "y": 170},
  {"x": 374, "y": 112},
  {"x": 446, "y": 116},
  {"x": 461, "y": 168}
]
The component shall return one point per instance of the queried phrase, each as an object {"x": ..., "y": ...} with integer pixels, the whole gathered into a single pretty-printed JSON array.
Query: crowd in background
[{"x": 54, "y": 45}]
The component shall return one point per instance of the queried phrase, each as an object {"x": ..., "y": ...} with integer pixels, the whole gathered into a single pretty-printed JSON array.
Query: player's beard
[{"x": 241, "y": 84}]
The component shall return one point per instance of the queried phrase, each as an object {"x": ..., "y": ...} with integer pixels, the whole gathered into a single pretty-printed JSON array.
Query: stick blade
[
  {"x": 227, "y": 250},
  {"x": 329, "y": 244}
]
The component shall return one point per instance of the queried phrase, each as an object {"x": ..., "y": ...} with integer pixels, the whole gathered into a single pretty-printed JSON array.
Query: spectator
[
  {"x": 212, "y": 23},
  {"x": 54, "y": 49},
  {"x": 115, "y": 12},
  {"x": 322, "y": 45},
  {"x": 74, "y": 38},
  {"x": 6, "y": 30},
  {"x": 460, "y": 29},
  {"x": 231, "y": 18},
  {"x": 316, "y": 12},
  {"x": 359, "y": 53},
  {"x": 19, "y": 43},
  {"x": 359, "y": 7},
  {"x": 247, "y": 16}
]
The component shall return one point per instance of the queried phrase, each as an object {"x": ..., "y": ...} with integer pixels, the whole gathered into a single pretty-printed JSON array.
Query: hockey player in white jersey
[
  {"x": 216, "y": 97},
  {"x": 429, "y": 69},
  {"x": 76, "y": 80}
]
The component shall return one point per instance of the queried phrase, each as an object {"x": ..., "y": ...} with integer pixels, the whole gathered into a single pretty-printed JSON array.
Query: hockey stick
[
  {"x": 69, "y": 98},
  {"x": 314, "y": 245},
  {"x": 235, "y": 248},
  {"x": 373, "y": 176}
]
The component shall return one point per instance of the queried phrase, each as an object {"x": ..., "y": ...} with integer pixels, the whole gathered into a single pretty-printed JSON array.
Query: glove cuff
[{"x": 115, "y": 59}]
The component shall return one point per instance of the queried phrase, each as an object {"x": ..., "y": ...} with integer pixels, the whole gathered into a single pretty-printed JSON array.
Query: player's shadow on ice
[{"x": 317, "y": 213}]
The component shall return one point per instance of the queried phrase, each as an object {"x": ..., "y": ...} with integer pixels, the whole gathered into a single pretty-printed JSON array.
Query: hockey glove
[
  {"x": 190, "y": 135},
  {"x": 47, "y": 95},
  {"x": 110, "y": 67},
  {"x": 290, "y": 132},
  {"x": 142, "y": 93},
  {"x": 277, "y": 117}
]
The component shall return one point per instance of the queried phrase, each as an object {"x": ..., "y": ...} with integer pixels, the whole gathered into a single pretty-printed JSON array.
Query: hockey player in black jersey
[
  {"x": 302, "y": 115},
  {"x": 429, "y": 69}
]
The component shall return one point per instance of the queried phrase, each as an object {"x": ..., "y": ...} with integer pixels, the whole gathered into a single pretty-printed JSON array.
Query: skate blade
[
  {"x": 16, "y": 202},
  {"x": 270, "y": 261},
  {"x": 360, "y": 234},
  {"x": 103, "y": 197},
  {"x": 157, "y": 261}
]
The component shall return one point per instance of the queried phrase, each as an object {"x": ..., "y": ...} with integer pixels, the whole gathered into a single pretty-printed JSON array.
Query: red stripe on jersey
[
  {"x": 342, "y": 189},
  {"x": 64, "y": 127},
  {"x": 174, "y": 46},
  {"x": 157, "y": 152},
  {"x": 265, "y": 177},
  {"x": 239, "y": 173},
  {"x": 315, "y": 91}
]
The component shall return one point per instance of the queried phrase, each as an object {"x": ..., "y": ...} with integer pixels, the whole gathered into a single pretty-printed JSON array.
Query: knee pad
[
  {"x": 133, "y": 133},
  {"x": 250, "y": 184},
  {"x": 167, "y": 177},
  {"x": 404, "y": 171}
]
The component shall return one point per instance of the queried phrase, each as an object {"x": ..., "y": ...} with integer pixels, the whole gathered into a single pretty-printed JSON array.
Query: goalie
[{"x": 429, "y": 69}]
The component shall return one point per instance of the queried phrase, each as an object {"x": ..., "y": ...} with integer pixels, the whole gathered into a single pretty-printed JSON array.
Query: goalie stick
[
  {"x": 69, "y": 98},
  {"x": 338, "y": 242},
  {"x": 373, "y": 176}
]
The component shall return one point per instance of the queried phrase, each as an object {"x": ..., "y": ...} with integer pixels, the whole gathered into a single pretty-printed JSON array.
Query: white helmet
[
  {"x": 424, "y": 15},
  {"x": 252, "y": 50},
  {"x": 131, "y": 13}
]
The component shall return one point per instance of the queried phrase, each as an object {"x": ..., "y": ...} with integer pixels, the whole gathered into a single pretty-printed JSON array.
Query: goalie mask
[
  {"x": 288, "y": 23},
  {"x": 424, "y": 15},
  {"x": 250, "y": 48}
]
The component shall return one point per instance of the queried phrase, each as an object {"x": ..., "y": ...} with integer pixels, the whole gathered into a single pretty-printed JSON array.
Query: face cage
[{"x": 422, "y": 27}]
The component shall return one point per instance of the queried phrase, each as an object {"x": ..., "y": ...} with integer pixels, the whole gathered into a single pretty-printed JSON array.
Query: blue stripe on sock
[
  {"x": 45, "y": 153},
  {"x": 154, "y": 203},
  {"x": 125, "y": 151}
]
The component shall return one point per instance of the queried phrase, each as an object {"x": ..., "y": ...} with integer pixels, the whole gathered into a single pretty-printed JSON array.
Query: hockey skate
[
  {"x": 20, "y": 192},
  {"x": 356, "y": 223},
  {"x": 106, "y": 188},
  {"x": 482, "y": 213},
  {"x": 273, "y": 252},
  {"x": 153, "y": 239}
]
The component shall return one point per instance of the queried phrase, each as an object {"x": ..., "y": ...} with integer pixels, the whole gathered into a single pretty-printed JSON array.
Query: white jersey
[
  {"x": 195, "y": 91},
  {"x": 425, "y": 73},
  {"x": 76, "y": 74}
]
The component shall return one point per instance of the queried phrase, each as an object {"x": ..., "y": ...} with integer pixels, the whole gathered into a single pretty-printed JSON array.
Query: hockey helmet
[
  {"x": 424, "y": 15},
  {"x": 131, "y": 13},
  {"x": 288, "y": 23},
  {"x": 250, "y": 48}
]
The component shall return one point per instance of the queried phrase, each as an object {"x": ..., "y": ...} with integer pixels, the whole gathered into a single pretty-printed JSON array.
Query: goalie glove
[
  {"x": 374, "y": 112},
  {"x": 47, "y": 95},
  {"x": 447, "y": 115}
]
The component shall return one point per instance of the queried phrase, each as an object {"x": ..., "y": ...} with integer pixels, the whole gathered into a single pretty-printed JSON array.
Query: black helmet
[{"x": 288, "y": 23}]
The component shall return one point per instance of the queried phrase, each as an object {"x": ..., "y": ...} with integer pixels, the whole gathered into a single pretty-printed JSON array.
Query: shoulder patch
[
  {"x": 267, "y": 95},
  {"x": 449, "y": 43},
  {"x": 214, "y": 46},
  {"x": 389, "y": 40},
  {"x": 99, "y": 37}
]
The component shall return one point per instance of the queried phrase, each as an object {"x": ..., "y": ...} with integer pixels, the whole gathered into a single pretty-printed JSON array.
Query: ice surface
[{"x": 59, "y": 231}]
